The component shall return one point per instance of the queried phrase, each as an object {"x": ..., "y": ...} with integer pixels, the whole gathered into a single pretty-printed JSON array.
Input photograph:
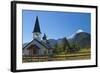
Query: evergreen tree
[
  {"x": 66, "y": 44},
  {"x": 74, "y": 48}
]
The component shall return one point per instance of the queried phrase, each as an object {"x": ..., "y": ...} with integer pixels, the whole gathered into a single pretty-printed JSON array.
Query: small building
[{"x": 38, "y": 46}]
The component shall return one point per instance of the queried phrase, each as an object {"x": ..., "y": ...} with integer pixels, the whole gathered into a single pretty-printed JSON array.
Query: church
[{"x": 39, "y": 46}]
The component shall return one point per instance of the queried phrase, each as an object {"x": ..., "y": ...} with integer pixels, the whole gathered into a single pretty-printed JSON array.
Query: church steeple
[
  {"x": 44, "y": 37},
  {"x": 36, "y": 31},
  {"x": 37, "y": 27}
]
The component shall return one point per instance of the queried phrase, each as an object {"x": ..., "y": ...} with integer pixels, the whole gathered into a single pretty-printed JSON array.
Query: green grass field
[{"x": 80, "y": 55}]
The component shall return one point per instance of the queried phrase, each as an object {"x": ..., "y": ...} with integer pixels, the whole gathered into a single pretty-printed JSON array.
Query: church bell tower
[
  {"x": 44, "y": 38},
  {"x": 36, "y": 31}
]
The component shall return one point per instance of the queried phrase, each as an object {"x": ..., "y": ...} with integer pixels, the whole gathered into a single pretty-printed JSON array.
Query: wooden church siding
[{"x": 33, "y": 50}]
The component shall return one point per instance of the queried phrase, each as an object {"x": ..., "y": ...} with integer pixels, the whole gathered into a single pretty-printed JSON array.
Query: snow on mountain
[{"x": 78, "y": 31}]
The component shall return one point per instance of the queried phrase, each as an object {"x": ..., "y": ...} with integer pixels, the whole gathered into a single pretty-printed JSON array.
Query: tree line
[{"x": 65, "y": 47}]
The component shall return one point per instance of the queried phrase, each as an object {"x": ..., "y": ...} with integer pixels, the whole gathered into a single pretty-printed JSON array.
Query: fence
[{"x": 57, "y": 57}]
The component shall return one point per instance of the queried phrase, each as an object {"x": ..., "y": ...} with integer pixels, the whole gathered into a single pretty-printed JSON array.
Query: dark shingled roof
[
  {"x": 27, "y": 44},
  {"x": 36, "y": 27},
  {"x": 43, "y": 44}
]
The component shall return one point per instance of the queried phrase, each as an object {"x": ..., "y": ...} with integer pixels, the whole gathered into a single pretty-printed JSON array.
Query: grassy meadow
[{"x": 82, "y": 54}]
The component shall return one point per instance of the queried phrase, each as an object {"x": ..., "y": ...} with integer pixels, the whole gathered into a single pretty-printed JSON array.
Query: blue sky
[{"x": 55, "y": 24}]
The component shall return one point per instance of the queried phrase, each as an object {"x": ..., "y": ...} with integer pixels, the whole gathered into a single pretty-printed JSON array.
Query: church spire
[
  {"x": 36, "y": 31},
  {"x": 36, "y": 27}
]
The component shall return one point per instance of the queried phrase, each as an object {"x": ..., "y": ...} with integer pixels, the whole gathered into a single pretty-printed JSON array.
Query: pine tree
[{"x": 66, "y": 44}]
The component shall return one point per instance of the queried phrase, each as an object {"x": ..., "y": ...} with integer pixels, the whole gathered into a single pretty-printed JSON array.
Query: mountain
[
  {"x": 82, "y": 39},
  {"x": 52, "y": 42},
  {"x": 72, "y": 35},
  {"x": 58, "y": 42}
]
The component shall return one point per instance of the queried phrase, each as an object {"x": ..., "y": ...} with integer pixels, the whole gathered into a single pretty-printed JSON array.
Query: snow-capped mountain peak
[{"x": 78, "y": 31}]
